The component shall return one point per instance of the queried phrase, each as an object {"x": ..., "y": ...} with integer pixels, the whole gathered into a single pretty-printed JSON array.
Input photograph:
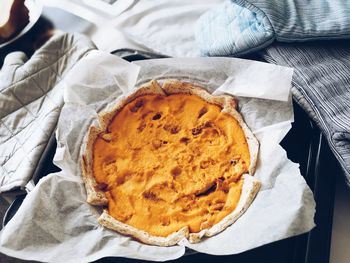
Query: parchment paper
[{"x": 55, "y": 223}]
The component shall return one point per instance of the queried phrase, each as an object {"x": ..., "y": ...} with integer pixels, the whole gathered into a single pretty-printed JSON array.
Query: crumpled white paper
[{"x": 55, "y": 224}]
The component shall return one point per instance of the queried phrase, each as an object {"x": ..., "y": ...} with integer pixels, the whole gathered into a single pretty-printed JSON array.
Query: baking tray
[{"x": 304, "y": 145}]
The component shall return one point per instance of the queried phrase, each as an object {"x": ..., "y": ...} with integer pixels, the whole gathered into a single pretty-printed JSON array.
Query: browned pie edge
[{"x": 95, "y": 195}]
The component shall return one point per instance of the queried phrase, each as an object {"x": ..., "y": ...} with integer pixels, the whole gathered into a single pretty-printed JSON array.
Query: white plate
[{"x": 35, "y": 8}]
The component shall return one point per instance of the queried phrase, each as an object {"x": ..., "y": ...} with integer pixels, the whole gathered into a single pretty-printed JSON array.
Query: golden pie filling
[{"x": 166, "y": 162}]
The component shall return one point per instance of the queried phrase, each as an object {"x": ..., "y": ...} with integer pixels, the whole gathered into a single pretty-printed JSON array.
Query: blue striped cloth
[
  {"x": 321, "y": 85},
  {"x": 239, "y": 27}
]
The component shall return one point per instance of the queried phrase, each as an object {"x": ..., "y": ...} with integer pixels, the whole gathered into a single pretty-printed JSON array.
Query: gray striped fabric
[
  {"x": 300, "y": 20},
  {"x": 239, "y": 27},
  {"x": 321, "y": 85}
]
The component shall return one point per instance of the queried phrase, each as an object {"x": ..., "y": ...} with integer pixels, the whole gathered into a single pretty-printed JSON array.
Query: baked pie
[{"x": 169, "y": 162}]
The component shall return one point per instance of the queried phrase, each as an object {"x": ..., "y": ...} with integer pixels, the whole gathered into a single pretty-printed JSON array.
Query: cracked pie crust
[{"x": 170, "y": 162}]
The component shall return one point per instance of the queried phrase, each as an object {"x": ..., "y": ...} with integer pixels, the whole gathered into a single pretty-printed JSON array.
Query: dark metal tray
[{"x": 305, "y": 145}]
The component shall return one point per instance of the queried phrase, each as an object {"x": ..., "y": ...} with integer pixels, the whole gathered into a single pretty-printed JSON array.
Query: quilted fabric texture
[
  {"x": 321, "y": 85},
  {"x": 31, "y": 97},
  {"x": 219, "y": 33},
  {"x": 233, "y": 29}
]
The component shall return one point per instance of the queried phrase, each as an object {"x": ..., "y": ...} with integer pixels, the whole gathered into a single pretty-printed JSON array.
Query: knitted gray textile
[{"x": 321, "y": 85}]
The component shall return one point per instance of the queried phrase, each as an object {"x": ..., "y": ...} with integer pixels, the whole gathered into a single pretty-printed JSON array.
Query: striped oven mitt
[
  {"x": 321, "y": 85},
  {"x": 239, "y": 27}
]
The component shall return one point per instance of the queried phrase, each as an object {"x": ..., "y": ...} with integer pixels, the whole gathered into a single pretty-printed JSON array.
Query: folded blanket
[
  {"x": 31, "y": 97},
  {"x": 321, "y": 85}
]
